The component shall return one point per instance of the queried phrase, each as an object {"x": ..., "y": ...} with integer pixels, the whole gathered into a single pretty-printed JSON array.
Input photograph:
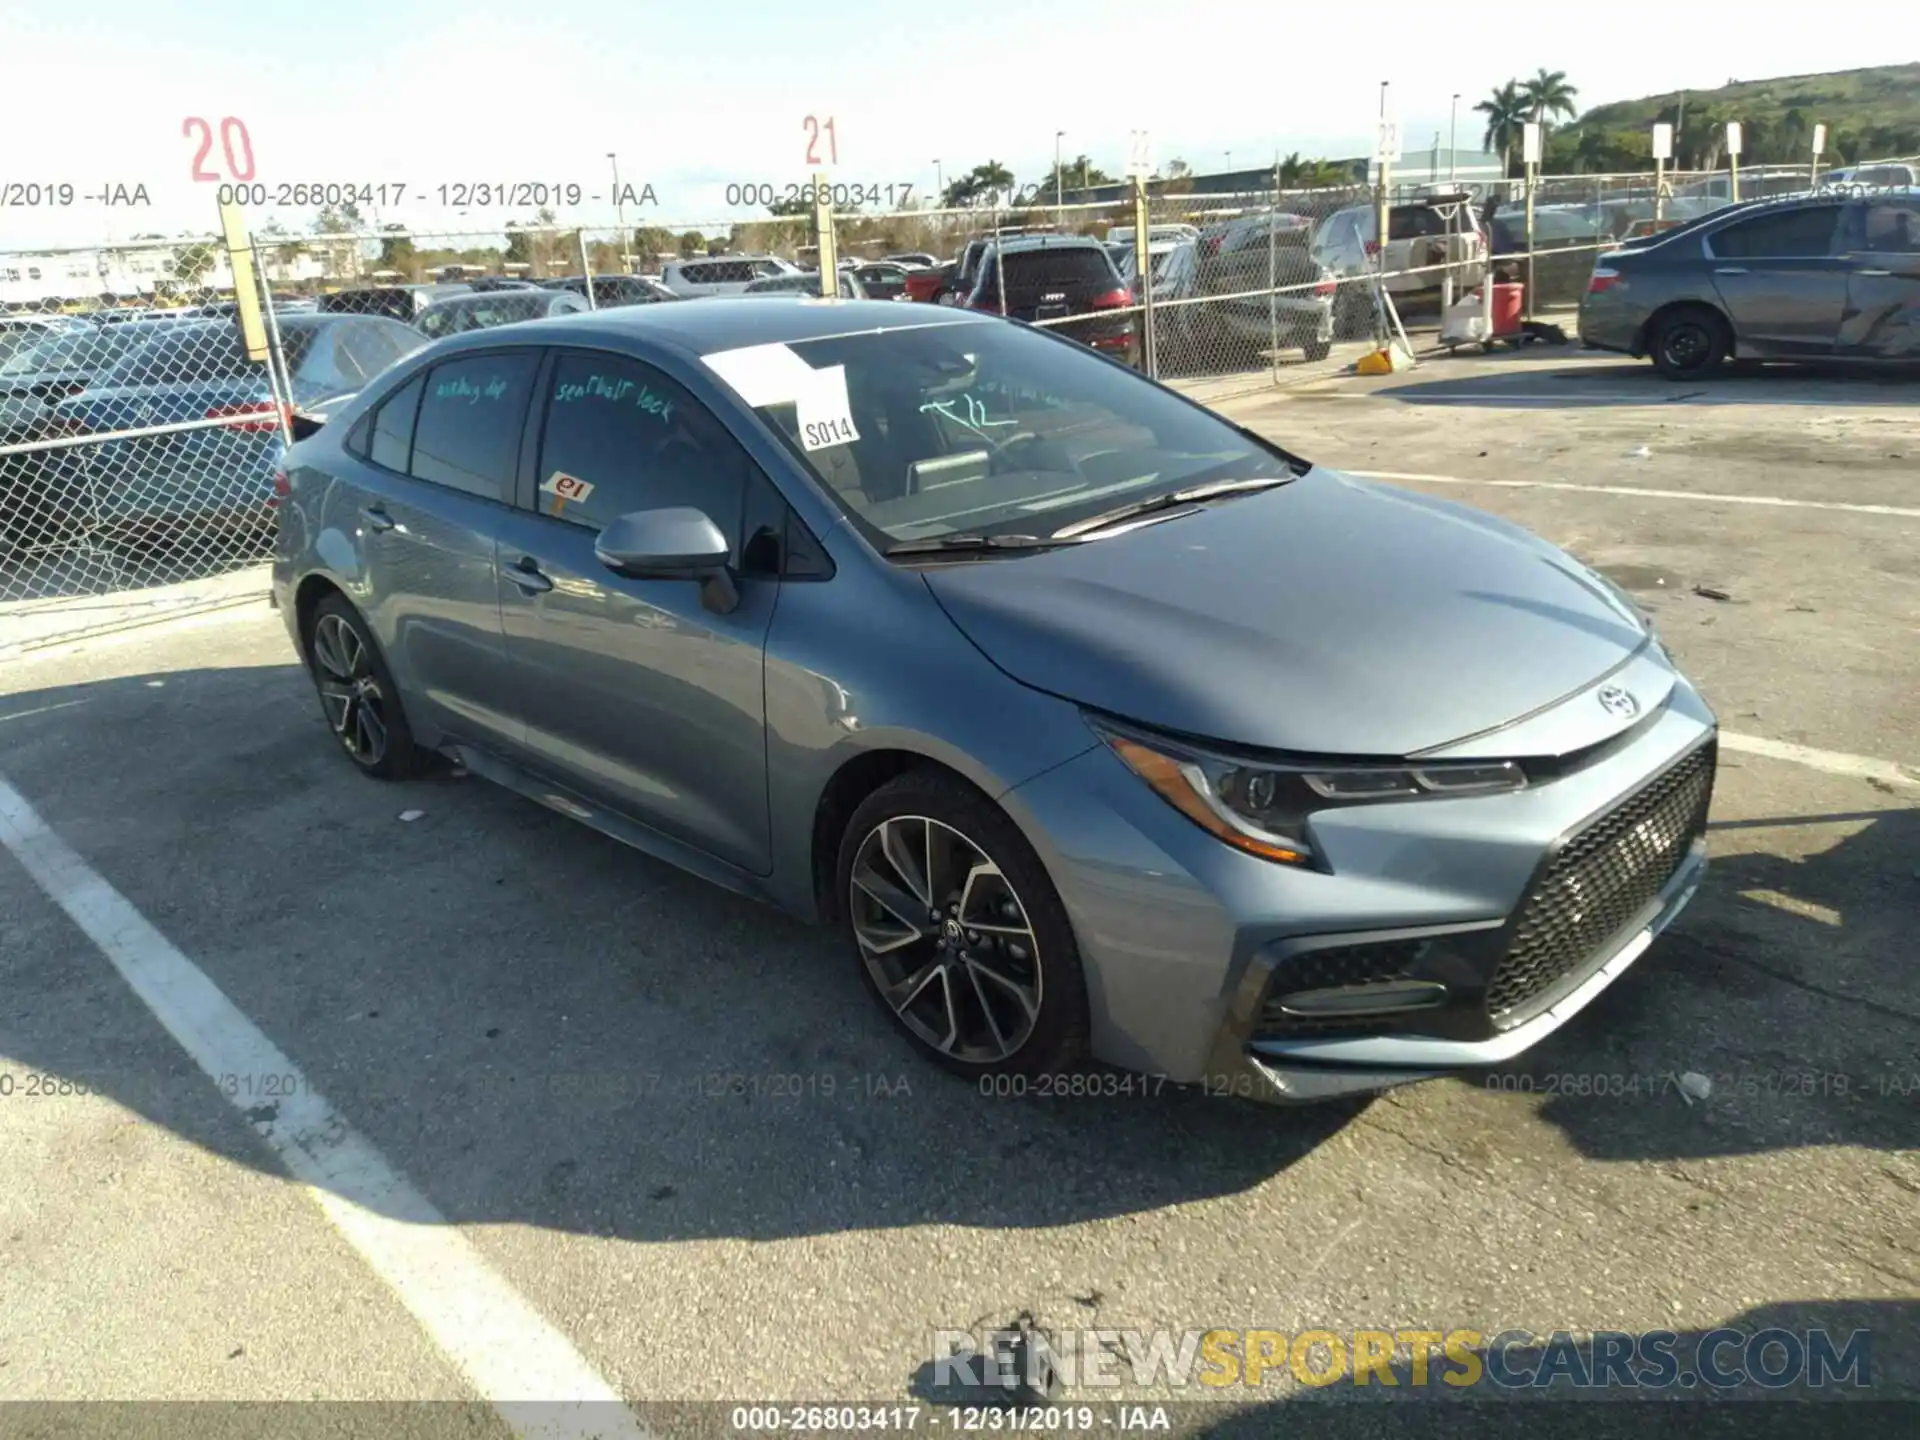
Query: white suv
[
  {"x": 1439, "y": 230},
  {"x": 722, "y": 274}
]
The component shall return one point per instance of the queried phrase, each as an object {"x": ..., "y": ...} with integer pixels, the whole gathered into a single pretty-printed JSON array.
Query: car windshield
[
  {"x": 89, "y": 350},
  {"x": 983, "y": 428}
]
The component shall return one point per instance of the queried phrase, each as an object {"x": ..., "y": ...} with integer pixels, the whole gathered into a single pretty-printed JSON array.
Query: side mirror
[{"x": 677, "y": 543}]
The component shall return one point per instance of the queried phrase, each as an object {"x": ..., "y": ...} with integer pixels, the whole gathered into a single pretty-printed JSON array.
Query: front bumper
[
  {"x": 1305, "y": 1070},
  {"x": 1504, "y": 915}
]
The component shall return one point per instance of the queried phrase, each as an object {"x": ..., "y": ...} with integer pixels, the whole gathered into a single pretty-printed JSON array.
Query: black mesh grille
[
  {"x": 1326, "y": 970},
  {"x": 1599, "y": 881}
]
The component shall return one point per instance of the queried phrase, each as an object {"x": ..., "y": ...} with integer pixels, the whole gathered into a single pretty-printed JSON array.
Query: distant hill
[{"x": 1869, "y": 114}]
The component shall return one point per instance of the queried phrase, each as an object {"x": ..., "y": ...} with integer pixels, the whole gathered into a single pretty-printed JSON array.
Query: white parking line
[
  {"x": 1703, "y": 496},
  {"x": 542, "y": 1387},
  {"x": 1834, "y": 762}
]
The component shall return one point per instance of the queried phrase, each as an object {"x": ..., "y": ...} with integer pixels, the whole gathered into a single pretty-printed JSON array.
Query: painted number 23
[
  {"x": 816, "y": 128},
  {"x": 234, "y": 142}
]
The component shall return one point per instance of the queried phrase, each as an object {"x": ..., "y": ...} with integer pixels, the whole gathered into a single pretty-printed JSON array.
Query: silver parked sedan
[{"x": 1100, "y": 725}]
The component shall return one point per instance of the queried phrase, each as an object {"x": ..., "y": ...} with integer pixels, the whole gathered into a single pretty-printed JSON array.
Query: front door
[
  {"x": 1883, "y": 283},
  {"x": 634, "y": 692},
  {"x": 1782, "y": 280}
]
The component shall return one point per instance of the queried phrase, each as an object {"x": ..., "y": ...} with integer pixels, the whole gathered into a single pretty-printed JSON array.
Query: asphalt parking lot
[{"x": 675, "y": 1128}]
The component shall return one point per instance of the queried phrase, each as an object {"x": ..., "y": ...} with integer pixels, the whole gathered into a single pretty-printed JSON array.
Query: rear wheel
[
  {"x": 960, "y": 934},
  {"x": 1317, "y": 349},
  {"x": 1689, "y": 342},
  {"x": 358, "y": 696}
]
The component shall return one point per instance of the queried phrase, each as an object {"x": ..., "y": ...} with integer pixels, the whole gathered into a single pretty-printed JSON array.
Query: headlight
[{"x": 1263, "y": 808}]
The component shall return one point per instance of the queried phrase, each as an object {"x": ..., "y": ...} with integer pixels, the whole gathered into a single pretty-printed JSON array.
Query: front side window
[
  {"x": 1803, "y": 232},
  {"x": 1893, "y": 227},
  {"x": 471, "y": 413},
  {"x": 619, "y": 436},
  {"x": 981, "y": 427}
]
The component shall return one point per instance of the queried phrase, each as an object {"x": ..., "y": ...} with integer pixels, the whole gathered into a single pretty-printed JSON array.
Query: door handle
[
  {"x": 377, "y": 518},
  {"x": 1730, "y": 270},
  {"x": 1873, "y": 272},
  {"x": 526, "y": 574}
]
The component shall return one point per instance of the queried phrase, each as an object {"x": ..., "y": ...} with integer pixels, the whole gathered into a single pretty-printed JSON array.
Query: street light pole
[
  {"x": 1453, "y": 141},
  {"x": 939, "y": 185},
  {"x": 620, "y": 210},
  {"x": 1059, "y": 206}
]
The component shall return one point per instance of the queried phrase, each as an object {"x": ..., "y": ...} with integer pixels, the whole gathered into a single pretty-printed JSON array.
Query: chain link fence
[{"x": 139, "y": 442}]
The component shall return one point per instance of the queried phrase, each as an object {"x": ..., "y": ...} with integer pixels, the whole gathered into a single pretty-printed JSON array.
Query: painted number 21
[
  {"x": 234, "y": 142},
  {"x": 816, "y": 128}
]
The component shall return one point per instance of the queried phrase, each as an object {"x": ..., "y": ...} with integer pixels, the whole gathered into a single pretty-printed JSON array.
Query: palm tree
[
  {"x": 1507, "y": 109},
  {"x": 1548, "y": 94}
]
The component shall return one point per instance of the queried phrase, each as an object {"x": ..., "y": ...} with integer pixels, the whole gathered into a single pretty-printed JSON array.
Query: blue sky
[{"x": 694, "y": 96}]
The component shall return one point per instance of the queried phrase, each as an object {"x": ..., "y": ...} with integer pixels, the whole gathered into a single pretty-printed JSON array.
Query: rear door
[
  {"x": 1883, "y": 281},
  {"x": 433, "y": 486},
  {"x": 1781, "y": 278},
  {"x": 636, "y": 695}
]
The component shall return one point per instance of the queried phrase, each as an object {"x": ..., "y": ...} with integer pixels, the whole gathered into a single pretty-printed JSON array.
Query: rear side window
[
  {"x": 1412, "y": 221},
  {"x": 1803, "y": 232},
  {"x": 471, "y": 412},
  {"x": 390, "y": 443}
]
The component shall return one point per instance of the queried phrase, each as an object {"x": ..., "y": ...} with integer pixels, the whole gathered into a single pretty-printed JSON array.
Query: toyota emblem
[{"x": 1618, "y": 702}]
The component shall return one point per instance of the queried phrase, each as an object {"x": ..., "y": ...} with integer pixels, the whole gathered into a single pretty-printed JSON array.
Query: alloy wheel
[
  {"x": 349, "y": 692},
  {"x": 947, "y": 942}
]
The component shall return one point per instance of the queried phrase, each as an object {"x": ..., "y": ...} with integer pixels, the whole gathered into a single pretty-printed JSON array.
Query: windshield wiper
[
  {"x": 1171, "y": 500},
  {"x": 939, "y": 544}
]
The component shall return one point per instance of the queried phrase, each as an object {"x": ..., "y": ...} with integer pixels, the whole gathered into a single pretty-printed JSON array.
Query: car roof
[
  {"x": 702, "y": 327},
  {"x": 1014, "y": 244}
]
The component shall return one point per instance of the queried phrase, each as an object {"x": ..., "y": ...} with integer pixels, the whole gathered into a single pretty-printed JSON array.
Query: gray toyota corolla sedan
[{"x": 1100, "y": 725}]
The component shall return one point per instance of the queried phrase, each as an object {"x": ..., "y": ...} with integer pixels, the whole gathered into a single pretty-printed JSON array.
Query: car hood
[{"x": 1329, "y": 616}]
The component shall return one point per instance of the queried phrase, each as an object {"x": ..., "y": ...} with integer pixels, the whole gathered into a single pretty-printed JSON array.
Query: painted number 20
[
  {"x": 234, "y": 141},
  {"x": 815, "y": 128}
]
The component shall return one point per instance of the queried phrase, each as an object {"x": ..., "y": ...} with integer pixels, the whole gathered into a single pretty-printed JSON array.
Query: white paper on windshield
[
  {"x": 762, "y": 374},
  {"x": 825, "y": 414}
]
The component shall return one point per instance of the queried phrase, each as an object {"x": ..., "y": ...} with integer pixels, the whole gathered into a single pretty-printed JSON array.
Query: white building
[{"x": 53, "y": 276}]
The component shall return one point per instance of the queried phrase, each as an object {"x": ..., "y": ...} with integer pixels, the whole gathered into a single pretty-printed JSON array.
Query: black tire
[
  {"x": 370, "y": 722},
  {"x": 1689, "y": 342},
  {"x": 1055, "y": 1038},
  {"x": 1317, "y": 349}
]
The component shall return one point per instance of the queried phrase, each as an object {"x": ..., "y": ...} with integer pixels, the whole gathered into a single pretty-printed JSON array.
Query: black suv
[{"x": 1051, "y": 277}]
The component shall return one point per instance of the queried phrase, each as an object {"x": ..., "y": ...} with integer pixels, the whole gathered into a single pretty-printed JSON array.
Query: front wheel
[
  {"x": 1689, "y": 343},
  {"x": 1317, "y": 349},
  {"x": 960, "y": 934}
]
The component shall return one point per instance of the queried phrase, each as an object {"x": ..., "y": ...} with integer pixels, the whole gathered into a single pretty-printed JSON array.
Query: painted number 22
[
  {"x": 815, "y": 128},
  {"x": 234, "y": 141}
]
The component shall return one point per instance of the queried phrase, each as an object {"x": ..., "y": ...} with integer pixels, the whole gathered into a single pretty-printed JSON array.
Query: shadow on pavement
[
  {"x": 1556, "y": 376},
  {"x": 538, "y": 1025}
]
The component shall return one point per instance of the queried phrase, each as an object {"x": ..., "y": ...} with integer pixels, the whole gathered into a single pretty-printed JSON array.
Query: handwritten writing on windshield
[
  {"x": 974, "y": 419},
  {"x": 464, "y": 389},
  {"x": 616, "y": 391}
]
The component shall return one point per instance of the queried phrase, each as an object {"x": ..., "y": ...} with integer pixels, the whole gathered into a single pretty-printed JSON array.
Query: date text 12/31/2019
[{"x": 458, "y": 195}]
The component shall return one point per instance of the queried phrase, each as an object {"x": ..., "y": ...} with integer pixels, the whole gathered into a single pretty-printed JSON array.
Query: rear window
[
  {"x": 84, "y": 350},
  {"x": 196, "y": 352},
  {"x": 1080, "y": 267}
]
